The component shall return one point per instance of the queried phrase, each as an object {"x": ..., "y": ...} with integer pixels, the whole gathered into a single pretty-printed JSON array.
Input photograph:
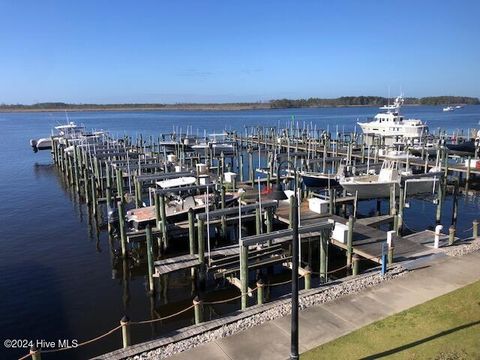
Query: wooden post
[
  {"x": 35, "y": 353},
  {"x": 438, "y": 213},
  {"x": 350, "y": 241},
  {"x": 240, "y": 165},
  {"x": 244, "y": 275},
  {"x": 390, "y": 255},
  {"x": 94, "y": 196},
  {"x": 251, "y": 170},
  {"x": 125, "y": 322},
  {"x": 393, "y": 206},
  {"x": 467, "y": 178},
  {"x": 330, "y": 201},
  {"x": 291, "y": 203},
  {"x": 308, "y": 277},
  {"x": 323, "y": 258},
  {"x": 163, "y": 217},
  {"x": 158, "y": 215},
  {"x": 355, "y": 264},
  {"x": 108, "y": 190},
  {"x": 198, "y": 310},
  {"x": 201, "y": 241},
  {"x": 119, "y": 183},
  {"x": 148, "y": 232},
  {"x": 223, "y": 218},
  {"x": 475, "y": 229},
  {"x": 451, "y": 235},
  {"x": 260, "y": 288},
  {"x": 401, "y": 204},
  {"x": 121, "y": 224},
  {"x": 191, "y": 231},
  {"x": 258, "y": 221}
]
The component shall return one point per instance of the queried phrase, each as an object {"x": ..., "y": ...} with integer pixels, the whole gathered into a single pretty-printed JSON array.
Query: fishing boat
[
  {"x": 390, "y": 123},
  {"x": 448, "y": 108},
  {"x": 63, "y": 133},
  {"x": 376, "y": 186},
  {"x": 176, "y": 209}
]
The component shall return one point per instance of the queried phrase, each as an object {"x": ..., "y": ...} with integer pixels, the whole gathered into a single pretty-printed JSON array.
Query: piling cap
[
  {"x": 33, "y": 349},
  {"x": 308, "y": 268},
  {"x": 196, "y": 300},
  {"x": 260, "y": 282},
  {"x": 125, "y": 319}
]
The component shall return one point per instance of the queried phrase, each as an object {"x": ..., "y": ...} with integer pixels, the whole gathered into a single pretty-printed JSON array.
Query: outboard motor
[{"x": 33, "y": 144}]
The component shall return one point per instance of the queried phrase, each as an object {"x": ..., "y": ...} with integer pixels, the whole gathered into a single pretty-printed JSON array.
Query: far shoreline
[{"x": 206, "y": 108}]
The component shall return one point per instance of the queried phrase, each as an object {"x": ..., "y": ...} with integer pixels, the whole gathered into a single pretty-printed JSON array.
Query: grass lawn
[{"x": 444, "y": 328}]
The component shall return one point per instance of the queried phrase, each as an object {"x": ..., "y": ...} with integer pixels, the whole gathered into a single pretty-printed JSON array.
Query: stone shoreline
[{"x": 351, "y": 285}]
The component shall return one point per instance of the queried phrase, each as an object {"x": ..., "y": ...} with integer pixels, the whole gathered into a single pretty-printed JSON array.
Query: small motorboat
[
  {"x": 176, "y": 209},
  {"x": 448, "y": 108}
]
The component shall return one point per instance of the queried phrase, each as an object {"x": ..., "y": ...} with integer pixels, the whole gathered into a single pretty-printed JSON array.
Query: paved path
[{"x": 329, "y": 321}]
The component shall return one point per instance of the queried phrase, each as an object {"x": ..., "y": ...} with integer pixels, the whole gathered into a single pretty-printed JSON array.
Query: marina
[{"x": 167, "y": 213}]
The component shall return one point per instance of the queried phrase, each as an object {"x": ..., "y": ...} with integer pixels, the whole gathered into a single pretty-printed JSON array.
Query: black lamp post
[{"x": 278, "y": 194}]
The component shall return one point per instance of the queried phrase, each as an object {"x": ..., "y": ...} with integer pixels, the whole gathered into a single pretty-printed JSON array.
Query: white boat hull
[{"x": 380, "y": 190}]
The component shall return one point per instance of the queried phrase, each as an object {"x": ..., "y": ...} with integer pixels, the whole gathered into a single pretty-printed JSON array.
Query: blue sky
[{"x": 201, "y": 51}]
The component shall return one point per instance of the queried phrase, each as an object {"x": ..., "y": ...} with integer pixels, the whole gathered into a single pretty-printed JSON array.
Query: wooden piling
[
  {"x": 121, "y": 224},
  {"x": 244, "y": 275},
  {"x": 323, "y": 258},
  {"x": 260, "y": 288},
  {"x": 125, "y": 323},
  {"x": 308, "y": 277},
  {"x": 148, "y": 233},
  {"x": 35, "y": 353},
  {"x": 350, "y": 240},
  {"x": 198, "y": 310},
  {"x": 355, "y": 264}
]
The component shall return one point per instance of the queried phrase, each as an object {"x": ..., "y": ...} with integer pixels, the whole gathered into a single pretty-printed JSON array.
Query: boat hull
[
  {"x": 376, "y": 190},
  {"x": 319, "y": 181}
]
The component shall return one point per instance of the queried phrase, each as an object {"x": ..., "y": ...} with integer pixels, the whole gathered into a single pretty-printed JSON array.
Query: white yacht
[
  {"x": 390, "y": 123},
  {"x": 448, "y": 108}
]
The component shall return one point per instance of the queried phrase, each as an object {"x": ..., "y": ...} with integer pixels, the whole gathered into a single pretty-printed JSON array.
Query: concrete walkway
[{"x": 329, "y": 321}]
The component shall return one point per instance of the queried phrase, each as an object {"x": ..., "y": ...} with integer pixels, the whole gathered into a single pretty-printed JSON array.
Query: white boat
[
  {"x": 177, "y": 182},
  {"x": 458, "y": 107},
  {"x": 392, "y": 124},
  {"x": 376, "y": 186},
  {"x": 448, "y": 108},
  {"x": 217, "y": 145},
  {"x": 176, "y": 209},
  {"x": 63, "y": 133}
]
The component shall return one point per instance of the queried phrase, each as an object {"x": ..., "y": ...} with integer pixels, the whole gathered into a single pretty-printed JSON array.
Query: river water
[{"x": 57, "y": 277}]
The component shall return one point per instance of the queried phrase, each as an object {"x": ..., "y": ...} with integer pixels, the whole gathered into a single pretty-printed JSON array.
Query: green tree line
[{"x": 273, "y": 104}]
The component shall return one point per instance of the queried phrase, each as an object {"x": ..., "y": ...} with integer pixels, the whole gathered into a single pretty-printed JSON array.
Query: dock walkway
[{"x": 321, "y": 324}]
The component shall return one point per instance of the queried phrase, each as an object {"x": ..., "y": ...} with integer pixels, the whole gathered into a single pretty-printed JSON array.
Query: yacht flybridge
[{"x": 390, "y": 123}]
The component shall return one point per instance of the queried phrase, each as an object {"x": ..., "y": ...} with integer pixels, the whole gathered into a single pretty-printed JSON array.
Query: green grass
[{"x": 444, "y": 328}]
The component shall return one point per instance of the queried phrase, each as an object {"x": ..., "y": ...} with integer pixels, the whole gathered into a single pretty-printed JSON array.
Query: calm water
[{"x": 56, "y": 275}]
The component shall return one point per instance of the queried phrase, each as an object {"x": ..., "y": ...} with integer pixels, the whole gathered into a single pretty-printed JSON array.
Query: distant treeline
[
  {"x": 370, "y": 101},
  {"x": 273, "y": 104}
]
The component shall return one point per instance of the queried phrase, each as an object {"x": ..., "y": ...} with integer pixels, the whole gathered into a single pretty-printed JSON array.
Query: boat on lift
[
  {"x": 377, "y": 186},
  {"x": 392, "y": 124}
]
